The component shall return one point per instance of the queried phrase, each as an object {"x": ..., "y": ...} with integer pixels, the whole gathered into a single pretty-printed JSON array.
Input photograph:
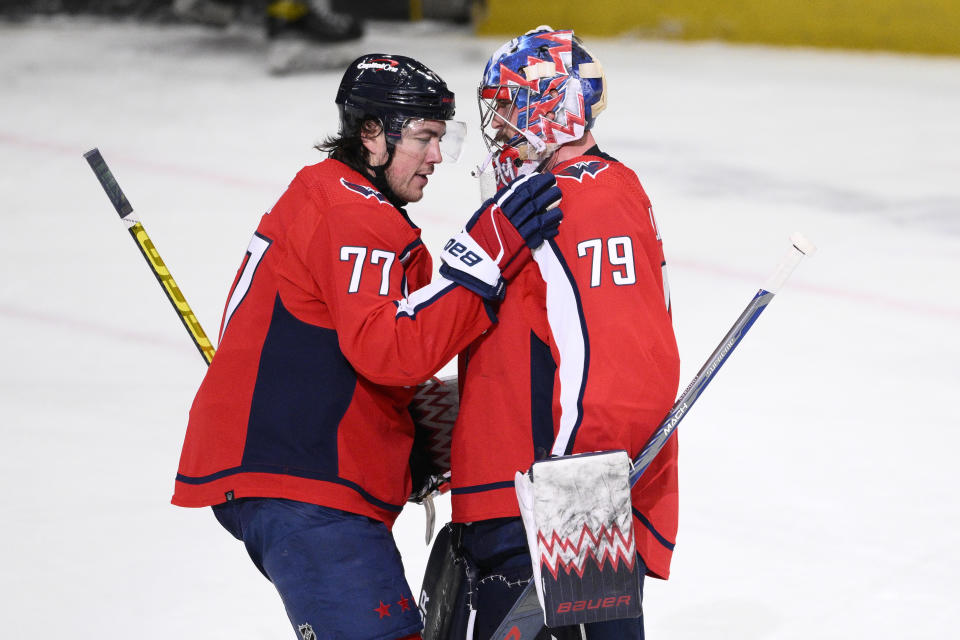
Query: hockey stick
[
  {"x": 525, "y": 619},
  {"x": 150, "y": 254}
]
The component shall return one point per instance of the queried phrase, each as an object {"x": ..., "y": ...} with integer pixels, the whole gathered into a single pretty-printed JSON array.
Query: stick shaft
[
  {"x": 710, "y": 368},
  {"x": 150, "y": 254}
]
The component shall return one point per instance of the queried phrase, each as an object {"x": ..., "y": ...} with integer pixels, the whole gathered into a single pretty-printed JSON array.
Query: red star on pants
[
  {"x": 404, "y": 604},
  {"x": 383, "y": 609}
]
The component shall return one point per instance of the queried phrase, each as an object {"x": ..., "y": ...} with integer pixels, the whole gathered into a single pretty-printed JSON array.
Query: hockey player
[
  {"x": 299, "y": 436},
  {"x": 312, "y": 19},
  {"x": 303, "y": 35},
  {"x": 583, "y": 357}
]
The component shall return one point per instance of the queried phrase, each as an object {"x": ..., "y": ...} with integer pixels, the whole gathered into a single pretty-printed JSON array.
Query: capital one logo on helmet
[{"x": 383, "y": 64}]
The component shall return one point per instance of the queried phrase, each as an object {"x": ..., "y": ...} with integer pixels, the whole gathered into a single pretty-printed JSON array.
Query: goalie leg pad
[
  {"x": 442, "y": 584},
  {"x": 578, "y": 519},
  {"x": 498, "y": 569}
]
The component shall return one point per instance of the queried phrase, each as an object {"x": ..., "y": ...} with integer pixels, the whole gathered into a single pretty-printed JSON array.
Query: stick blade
[{"x": 108, "y": 182}]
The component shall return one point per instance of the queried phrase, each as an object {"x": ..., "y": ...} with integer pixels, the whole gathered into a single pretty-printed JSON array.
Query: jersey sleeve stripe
[
  {"x": 656, "y": 534},
  {"x": 569, "y": 330},
  {"x": 423, "y": 297},
  {"x": 408, "y": 250}
]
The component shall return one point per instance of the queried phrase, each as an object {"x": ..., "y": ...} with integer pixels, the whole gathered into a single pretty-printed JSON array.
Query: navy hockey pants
[
  {"x": 497, "y": 551},
  {"x": 339, "y": 574}
]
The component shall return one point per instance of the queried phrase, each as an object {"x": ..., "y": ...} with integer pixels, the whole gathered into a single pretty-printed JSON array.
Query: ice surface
[{"x": 818, "y": 476}]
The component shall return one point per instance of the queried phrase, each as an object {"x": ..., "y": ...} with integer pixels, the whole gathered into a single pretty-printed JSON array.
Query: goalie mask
[{"x": 539, "y": 91}]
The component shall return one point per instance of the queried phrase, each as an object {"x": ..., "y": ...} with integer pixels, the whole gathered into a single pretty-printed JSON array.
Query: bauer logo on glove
[
  {"x": 495, "y": 243},
  {"x": 459, "y": 250}
]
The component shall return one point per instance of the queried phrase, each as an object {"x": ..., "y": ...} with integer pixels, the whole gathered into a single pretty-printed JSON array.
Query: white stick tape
[{"x": 799, "y": 248}]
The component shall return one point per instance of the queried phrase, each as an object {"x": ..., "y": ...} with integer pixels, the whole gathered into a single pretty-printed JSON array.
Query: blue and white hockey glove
[{"x": 495, "y": 243}]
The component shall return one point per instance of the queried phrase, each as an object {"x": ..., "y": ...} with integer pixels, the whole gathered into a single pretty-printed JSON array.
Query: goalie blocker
[{"x": 577, "y": 514}]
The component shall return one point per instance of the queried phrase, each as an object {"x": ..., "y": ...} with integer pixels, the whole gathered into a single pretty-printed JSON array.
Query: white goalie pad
[{"x": 578, "y": 519}]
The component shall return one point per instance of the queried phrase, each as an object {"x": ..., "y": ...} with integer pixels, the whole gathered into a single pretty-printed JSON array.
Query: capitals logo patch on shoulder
[
  {"x": 578, "y": 170},
  {"x": 366, "y": 192}
]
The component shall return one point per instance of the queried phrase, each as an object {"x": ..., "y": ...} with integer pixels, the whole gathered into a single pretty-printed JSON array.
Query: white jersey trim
[
  {"x": 423, "y": 297},
  {"x": 566, "y": 326}
]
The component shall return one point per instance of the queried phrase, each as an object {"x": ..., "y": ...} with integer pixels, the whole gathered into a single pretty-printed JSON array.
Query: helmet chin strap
[
  {"x": 379, "y": 179},
  {"x": 538, "y": 144}
]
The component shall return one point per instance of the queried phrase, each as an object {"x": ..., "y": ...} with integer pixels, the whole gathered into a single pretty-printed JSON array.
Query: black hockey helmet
[{"x": 391, "y": 89}]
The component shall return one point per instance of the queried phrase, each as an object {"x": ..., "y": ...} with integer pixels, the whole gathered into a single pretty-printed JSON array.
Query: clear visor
[{"x": 420, "y": 137}]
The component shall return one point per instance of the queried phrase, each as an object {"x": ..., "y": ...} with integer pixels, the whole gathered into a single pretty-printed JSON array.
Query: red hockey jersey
[
  {"x": 330, "y": 322},
  {"x": 583, "y": 358}
]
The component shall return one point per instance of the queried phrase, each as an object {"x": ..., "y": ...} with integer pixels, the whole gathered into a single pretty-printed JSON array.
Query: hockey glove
[{"x": 495, "y": 244}]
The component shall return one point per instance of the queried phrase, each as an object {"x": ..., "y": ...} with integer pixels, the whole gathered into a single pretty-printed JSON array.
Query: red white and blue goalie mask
[{"x": 545, "y": 89}]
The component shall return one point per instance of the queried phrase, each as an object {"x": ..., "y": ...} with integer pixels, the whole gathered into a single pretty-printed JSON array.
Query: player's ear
[
  {"x": 370, "y": 129},
  {"x": 375, "y": 142}
]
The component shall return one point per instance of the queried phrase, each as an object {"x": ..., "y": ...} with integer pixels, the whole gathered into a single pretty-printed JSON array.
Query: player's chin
[
  {"x": 411, "y": 195},
  {"x": 415, "y": 188}
]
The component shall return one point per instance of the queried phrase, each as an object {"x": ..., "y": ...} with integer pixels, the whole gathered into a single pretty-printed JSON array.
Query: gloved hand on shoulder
[{"x": 495, "y": 243}]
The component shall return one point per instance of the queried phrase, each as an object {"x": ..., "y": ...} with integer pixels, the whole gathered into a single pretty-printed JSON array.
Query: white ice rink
[{"x": 818, "y": 472}]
